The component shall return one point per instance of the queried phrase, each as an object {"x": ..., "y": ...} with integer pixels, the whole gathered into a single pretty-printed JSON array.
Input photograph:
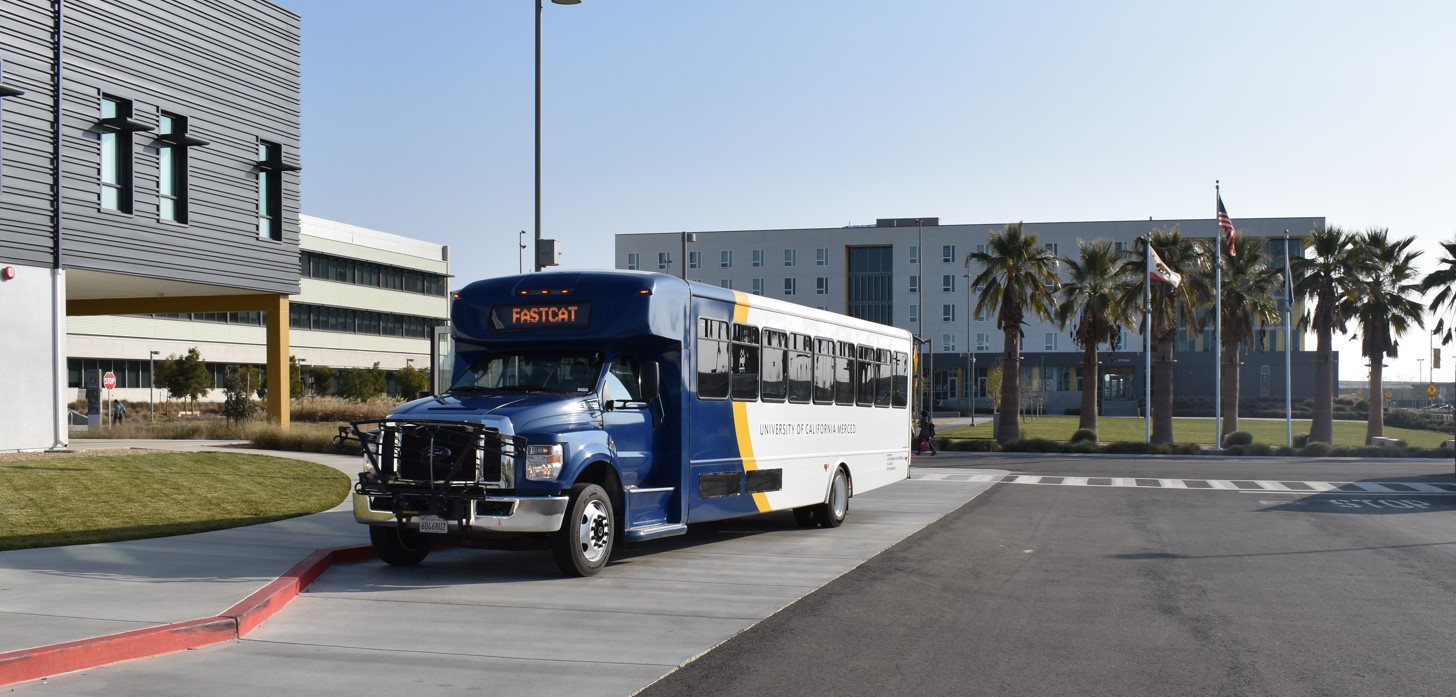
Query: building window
[
  {"x": 757, "y": 258},
  {"x": 757, "y": 286},
  {"x": 947, "y": 283},
  {"x": 695, "y": 260},
  {"x": 115, "y": 154},
  {"x": 1052, "y": 247},
  {"x": 791, "y": 286},
  {"x": 1119, "y": 246},
  {"x": 915, "y": 314},
  {"x": 821, "y": 256},
  {"x": 981, "y": 315},
  {"x": 869, "y": 284},
  {"x": 1051, "y": 341},
  {"x": 914, "y": 254},
  {"x": 791, "y": 257},
  {"x": 821, "y": 285},
  {"x": 983, "y": 342},
  {"x": 171, "y": 168},
  {"x": 947, "y": 342},
  {"x": 914, "y": 284},
  {"x": 664, "y": 261},
  {"x": 947, "y": 253},
  {"x": 726, "y": 283},
  {"x": 725, "y": 259},
  {"x": 270, "y": 192},
  {"x": 947, "y": 313},
  {"x": 633, "y": 261}
]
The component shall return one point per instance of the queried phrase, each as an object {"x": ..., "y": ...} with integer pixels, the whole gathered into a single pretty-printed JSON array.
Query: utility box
[{"x": 91, "y": 381}]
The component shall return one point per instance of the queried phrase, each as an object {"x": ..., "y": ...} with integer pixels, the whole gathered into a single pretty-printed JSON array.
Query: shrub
[
  {"x": 1033, "y": 445},
  {"x": 1084, "y": 435},
  {"x": 1301, "y": 440},
  {"x": 1188, "y": 449},
  {"x": 1238, "y": 438},
  {"x": 1134, "y": 448},
  {"x": 1316, "y": 449},
  {"x": 974, "y": 445}
]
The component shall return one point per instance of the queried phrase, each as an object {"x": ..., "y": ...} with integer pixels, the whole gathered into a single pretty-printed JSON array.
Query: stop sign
[{"x": 108, "y": 380}]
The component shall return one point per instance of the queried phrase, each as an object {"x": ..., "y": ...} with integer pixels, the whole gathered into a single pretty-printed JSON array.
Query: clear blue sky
[{"x": 666, "y": 115}]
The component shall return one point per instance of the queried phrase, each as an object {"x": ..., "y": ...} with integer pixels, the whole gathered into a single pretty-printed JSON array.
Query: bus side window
[
  {"x": 902, "y": 380},
  {"x": 713, "y": 350},
  {"x": 844, "y": 375},
  {"x": 823, "y": 371},
  {"x": 745, "y": 363}
]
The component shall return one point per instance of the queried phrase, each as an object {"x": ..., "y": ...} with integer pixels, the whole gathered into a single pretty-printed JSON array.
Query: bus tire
[
  {"x": 806, "y": 517},
  {"x": 830, "y": 514},
  {"x": 398, "y": 546},
  {"x": 584, "y": 543}
]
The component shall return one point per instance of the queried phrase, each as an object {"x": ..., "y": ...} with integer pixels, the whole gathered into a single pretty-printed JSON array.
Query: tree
[
  {"x": 1173, "y": 308},
  {"x": 1443, "y": 280},
  {"x": 238, "y": 386},
  {"x": 1328, "y": 279},
  {"x": 320, "y": 379},
  {"x": 1250, "y": 301},
  {"x": 411, "y": 382},
  {"x": 1385, "y": 281},
  {"x": 1017, "y": 276},
  {"x": 993, "y": 388},
  {"x": 362, "y": 385},
  {"x": 1089, "y": 299},
  {"x": 187, "y": 378},
  {"x": 295, "y": 377}
]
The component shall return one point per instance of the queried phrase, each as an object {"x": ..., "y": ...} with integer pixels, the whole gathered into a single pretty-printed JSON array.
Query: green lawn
[
  {"x": 1191, "y": 430},
  {"x": 53, "y": 500}
]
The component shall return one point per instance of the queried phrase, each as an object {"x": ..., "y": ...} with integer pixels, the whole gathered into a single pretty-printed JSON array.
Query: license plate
[{"x": 433, "y": 524}]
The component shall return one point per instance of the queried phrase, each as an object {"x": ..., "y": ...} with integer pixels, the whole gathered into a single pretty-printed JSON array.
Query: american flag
[{"x": 1226, "y": 224}]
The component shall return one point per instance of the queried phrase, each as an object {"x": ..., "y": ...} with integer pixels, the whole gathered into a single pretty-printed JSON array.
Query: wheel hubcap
[
  {"x": 841, "y": 497},
  {"x": 595, "y": 532}
]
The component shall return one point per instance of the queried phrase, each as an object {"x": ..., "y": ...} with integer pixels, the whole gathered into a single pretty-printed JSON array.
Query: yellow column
[{"x": 278, "y": 349}]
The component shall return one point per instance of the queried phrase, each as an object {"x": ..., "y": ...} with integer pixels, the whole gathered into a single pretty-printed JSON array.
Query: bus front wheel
[
  {"x": 830, "y": 514},
  {"x": 584, "y": 543}
]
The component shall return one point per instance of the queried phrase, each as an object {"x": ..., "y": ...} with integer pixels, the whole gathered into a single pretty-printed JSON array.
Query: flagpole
[
  {"x": 1217, "y": 329},
  {"x": 1288, "y": 342},
  {"x": 1148, "y": 340}
]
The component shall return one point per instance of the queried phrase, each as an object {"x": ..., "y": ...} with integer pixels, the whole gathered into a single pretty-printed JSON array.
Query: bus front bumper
[{"x": 489, "y": 514}]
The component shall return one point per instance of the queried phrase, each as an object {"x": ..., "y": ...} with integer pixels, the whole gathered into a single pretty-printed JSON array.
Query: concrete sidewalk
[{"x": 56, "y": 595}]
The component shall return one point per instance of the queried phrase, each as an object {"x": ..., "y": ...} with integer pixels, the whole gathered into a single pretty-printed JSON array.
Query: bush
[
  {"x": 1033, "y": 445},
  {"x": 974, "y": 445},
  {"x": 1301, "y": 440},
  {"x": 1238, "y": 438},
  {"x": 1315, "y": 449},
  {"x": 1084, "y": 435},
  {"x": 1188, "y": 449},
  {"x": 1136, "y": 448}
]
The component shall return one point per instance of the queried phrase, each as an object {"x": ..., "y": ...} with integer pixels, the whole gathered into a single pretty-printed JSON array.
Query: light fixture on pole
[
  {"x": 520, "y": 263},
  {"x": 970, "y": 348},
  {"x": 537, "y": 249},
  {"x": 920, "y": 313},
  {"x": 152, "y": 386}
]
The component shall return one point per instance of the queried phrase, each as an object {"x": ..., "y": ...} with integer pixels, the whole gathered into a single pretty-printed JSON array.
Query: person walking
[
  {"x": 118, "y": 412},
  {"x": 925, "y": 442}
]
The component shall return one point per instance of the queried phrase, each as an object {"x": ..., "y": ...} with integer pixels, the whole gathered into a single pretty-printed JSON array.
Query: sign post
[{"x": 108, "y": 383}]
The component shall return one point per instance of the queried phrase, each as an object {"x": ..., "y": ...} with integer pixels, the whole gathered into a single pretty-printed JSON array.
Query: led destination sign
[{"x": 558, "y": 315}]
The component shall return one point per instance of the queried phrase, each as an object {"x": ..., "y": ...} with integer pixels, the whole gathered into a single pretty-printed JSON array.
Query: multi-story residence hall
[
  {"x": 912, "y": 273},
  {"x": 148, "y": 157}
]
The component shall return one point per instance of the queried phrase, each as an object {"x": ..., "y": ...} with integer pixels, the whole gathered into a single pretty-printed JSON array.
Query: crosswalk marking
[{"x": 1289, "y": 487}]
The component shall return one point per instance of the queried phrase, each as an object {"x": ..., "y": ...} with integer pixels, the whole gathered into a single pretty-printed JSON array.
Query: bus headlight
[{"x": 543, "y": 462}]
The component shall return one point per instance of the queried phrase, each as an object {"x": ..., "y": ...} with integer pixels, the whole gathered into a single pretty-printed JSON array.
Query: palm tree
[
  {"x": 1250, "y": 285},
  {"x": 1089, "y": 297},
  {"x": 1328, "y": 279},
  {"x": 1173, "y": 307},
  {"x": 1443, "y": 278},
  {"x": 1385, "y": 281},
  {"x": 1017, "y": 275}
]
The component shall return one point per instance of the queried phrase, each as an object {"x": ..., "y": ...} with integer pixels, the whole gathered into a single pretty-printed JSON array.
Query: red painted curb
[{"x": 238, "y": 620}]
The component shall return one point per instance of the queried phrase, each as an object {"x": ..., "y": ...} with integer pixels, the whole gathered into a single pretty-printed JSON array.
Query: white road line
[
  {"x": 1222, "y": 484},
  {"x": 1374, "y": 488},
  {"x": 1075, "y": 481},
  {"x": 1027, "y": 479},
  {"x": 1172, "y": 484},
  {"x": 1426, "y": 487},
  {"x": 1274, "y": 486},
  {"x": 1123, "y": 481},
  {"x": 1321, "y": 486}
]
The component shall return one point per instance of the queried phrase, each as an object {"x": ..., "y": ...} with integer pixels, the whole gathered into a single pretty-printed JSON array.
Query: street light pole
[
  {"x": 926, "y": 372},
  {"x": 686, "y": 238},
  {"x": 537, "y": 249}
]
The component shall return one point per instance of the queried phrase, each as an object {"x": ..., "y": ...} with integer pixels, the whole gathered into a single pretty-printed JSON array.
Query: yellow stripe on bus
[{"x": 740, "y": 412}]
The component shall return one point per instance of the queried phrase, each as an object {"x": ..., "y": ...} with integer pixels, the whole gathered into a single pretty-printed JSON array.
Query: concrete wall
[{"x": 30, "y": 306}]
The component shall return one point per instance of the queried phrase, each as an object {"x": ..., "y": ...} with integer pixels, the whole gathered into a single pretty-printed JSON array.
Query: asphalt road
[{"x": 1057, "y": 589}]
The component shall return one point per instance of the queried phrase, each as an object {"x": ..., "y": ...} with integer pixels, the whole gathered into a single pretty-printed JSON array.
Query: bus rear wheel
[
  {"x": 398, "y": 546},
  {"x": 830, "y": 514},
  {"x": 584, "y": 543}
]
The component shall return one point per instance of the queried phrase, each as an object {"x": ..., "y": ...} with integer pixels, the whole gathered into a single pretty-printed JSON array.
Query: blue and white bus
[{"x": 588, "y": 405}]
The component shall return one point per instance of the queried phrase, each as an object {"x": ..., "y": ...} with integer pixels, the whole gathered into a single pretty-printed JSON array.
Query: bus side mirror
[{"x": 649, "y": 382}]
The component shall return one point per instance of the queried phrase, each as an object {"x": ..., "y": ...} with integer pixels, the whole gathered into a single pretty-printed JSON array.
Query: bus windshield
[{"x": 569, "y": 372}]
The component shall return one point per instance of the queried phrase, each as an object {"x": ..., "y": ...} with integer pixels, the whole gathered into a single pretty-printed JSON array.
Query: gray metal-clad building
[{"x": 148, "y": 158}]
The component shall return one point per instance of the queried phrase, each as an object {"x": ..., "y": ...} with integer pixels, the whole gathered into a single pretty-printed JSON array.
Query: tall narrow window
[
  {"x": 270, "y": 192},
  {"x": 115, "y": 154},
  {"x": 632, "y": 262},
  {"x": 821, "y": 256},
  {"x": 758, "y": 257},
  {"x": 791, "y": 257},
  {"x": 171, "y": 169},
  {"x": 791, "y": 286},
  {"x": 725, "y": 258},
  {"x": 664, "y": 260},
  {"x": 695, "y": 260}
]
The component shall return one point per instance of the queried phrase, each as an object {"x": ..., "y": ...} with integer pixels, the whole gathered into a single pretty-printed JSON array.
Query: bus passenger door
[{"x": 629, "y": 423}]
